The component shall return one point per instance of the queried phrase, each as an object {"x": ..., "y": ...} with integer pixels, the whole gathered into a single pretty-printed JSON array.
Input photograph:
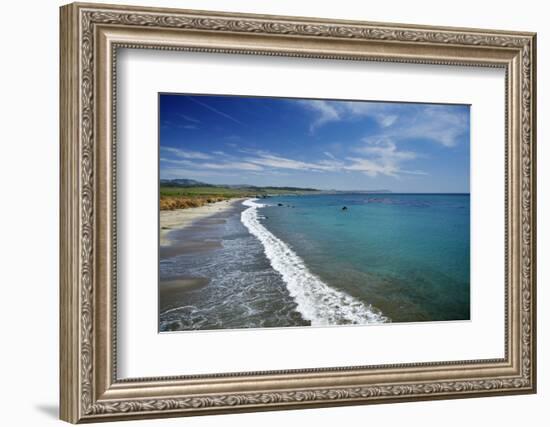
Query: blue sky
[{"x": 325, "y": 144}]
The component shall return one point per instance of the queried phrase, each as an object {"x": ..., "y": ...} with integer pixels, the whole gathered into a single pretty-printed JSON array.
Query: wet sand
[
  {"x": 172, "y": 289},
  {"x": 181, "y": 218},
  {"x": 188, "y": 232}
]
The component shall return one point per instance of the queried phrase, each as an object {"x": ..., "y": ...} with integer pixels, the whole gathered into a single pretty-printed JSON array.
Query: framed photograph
[{"x": 266, "y": 212}]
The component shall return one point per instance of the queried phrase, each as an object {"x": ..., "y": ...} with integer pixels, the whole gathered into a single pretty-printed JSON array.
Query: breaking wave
[{"x": 317, "y": 302}]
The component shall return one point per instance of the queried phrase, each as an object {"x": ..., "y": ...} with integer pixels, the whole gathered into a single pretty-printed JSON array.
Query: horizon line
[{"x": 381, "y": 190}]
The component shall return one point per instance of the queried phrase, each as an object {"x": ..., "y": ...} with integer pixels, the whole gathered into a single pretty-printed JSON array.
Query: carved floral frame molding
[{"x": 90, "y": 37}]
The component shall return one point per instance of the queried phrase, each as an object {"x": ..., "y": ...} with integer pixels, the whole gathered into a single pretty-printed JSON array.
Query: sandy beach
[
  {"x": 182, "y": 218},
  {"x": 190, "y": 231}
]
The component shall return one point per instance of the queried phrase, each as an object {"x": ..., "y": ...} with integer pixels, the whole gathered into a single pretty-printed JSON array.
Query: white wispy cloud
[
  {"x": 325, "y": 113},
  {"x": 384, "y": 148},
  {"x": 336, "y": 111},
  {"x": 279, "y": 162},
  {"x": 436, "y": 123},
  {"x": 224, "y": 165},
  {"x": 372, "y": 157},
  {"x": 382, "y": 157},
  {"x": 243, "y": 166},
  {"x": 387, "y": 121},
  {"x": 186, "y": 154},
  {"x": 189, "y": 118},
  {"x": 441, "y": 124},
  {"x": 383, "y": 113}
]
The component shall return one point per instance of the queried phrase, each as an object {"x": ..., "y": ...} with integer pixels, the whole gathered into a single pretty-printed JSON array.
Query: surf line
[{"x": 319, "y": 303}]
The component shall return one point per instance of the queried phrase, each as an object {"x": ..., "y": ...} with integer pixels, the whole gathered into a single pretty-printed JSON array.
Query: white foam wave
[{"x": 316, "y": 301}]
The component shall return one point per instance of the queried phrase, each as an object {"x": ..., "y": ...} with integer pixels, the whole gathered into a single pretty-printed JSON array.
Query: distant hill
[
  {"x": 289, "y": 188},
  {"x": 192, "y": 183},
  {"x": 182, "y": 182},
  {"x": 184, "y": 193},
  {"x": 369, "y": 191}
]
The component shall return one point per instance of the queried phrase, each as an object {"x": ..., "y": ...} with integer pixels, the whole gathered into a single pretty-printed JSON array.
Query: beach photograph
[{"x": 291, "y": 212}]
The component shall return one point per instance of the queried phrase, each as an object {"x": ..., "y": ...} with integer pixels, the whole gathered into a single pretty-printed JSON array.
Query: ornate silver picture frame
[{"x": 91, "y": 34}]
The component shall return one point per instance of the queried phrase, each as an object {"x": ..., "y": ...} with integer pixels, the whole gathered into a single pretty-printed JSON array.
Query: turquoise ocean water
[
  {"x": 407, "y": 255},
  {"x": 302, "y": 260}
]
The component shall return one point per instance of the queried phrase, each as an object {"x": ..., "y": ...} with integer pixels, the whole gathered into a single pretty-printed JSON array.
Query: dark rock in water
[
  {"x": 279, "y": 204},
  {"x": 345, "y": 208}
]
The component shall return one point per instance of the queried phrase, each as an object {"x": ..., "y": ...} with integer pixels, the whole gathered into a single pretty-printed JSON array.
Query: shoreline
[
  {"x": 195, "y": 231},
  {"x": 176, "y": 287},
  {"x": 317, "y": 301},
  {"x": 240, "y": 266},
  {"x": 180, "y": 219}
]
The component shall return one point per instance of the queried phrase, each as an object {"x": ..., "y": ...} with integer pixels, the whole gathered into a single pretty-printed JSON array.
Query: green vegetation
[
  {"x": 174, "y": 196},
  {"x": 204, "y": 191}
]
